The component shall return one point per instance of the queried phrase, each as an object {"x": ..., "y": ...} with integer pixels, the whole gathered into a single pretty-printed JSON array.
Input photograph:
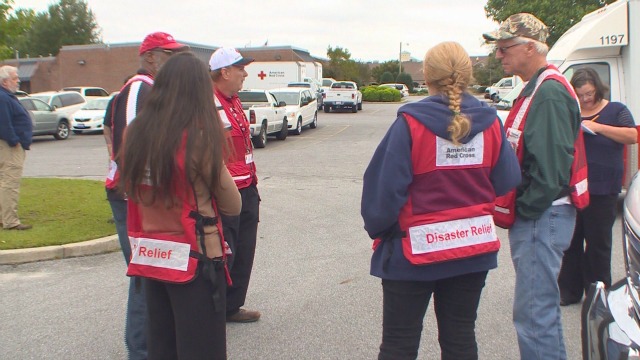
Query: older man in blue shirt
[{"x": 15, "y": 137}]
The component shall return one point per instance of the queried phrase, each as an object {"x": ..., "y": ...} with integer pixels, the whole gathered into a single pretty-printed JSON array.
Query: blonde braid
[
  {"x": 447, "y": 67},
  {"x": 460, "y": 124}
]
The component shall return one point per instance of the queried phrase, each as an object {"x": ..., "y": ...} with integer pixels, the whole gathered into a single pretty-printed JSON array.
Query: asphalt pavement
[{"x": 311, "y": 275}]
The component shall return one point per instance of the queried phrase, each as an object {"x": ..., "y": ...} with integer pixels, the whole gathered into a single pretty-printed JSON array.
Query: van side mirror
[{"x": 282, "y": 104}]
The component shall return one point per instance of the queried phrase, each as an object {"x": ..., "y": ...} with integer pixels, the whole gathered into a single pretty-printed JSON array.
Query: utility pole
[{"x": 400, "y": 61}]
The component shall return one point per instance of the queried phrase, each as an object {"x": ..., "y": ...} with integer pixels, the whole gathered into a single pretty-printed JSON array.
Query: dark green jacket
[{"x": 550, "y": 130}]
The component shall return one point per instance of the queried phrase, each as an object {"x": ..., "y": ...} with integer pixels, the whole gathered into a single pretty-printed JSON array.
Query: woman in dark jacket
[{"x": 428, "y": 200}]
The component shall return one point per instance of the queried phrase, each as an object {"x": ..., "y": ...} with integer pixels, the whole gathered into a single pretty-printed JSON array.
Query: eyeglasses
[
  {"x": 503, "y": 49},
  {"x": 587, "y": 95}
]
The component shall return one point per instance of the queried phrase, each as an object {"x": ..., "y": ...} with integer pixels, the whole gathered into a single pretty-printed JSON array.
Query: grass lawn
[{"x": 62, "y": 211}]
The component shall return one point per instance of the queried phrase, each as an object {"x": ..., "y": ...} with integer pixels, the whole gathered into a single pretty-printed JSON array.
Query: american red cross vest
[
  {"x": 165, "y": 256},
  {"x": 240, "y": 163},
  {"x": 113, "y": 175},
  {"x": 505, "y": 212},
  {"x": 449, "y": 211}
]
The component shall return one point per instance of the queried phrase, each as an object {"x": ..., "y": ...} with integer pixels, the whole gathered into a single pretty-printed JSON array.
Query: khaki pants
[{"x": 11, "y": 165}]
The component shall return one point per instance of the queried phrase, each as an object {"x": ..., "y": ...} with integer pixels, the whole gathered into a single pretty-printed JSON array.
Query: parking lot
[{"x": 311, "y": 276}]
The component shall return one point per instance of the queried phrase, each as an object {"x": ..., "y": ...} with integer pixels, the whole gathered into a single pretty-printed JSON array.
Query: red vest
[
  {"x": 505, "y": 212},
  {"x": 166, "y": 256},
  {"x": 113, "y": 176},
  {"x": 240, "y": 163},
  {"x": 449, "y": 211}
]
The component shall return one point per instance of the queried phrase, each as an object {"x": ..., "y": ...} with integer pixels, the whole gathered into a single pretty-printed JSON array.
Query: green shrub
[
  {"x": 370, "y": 93},
  {"x": 389, "y": 94}
]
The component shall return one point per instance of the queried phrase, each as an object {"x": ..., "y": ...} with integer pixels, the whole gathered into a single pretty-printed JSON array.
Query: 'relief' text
[{"x": 154, "y": 253}]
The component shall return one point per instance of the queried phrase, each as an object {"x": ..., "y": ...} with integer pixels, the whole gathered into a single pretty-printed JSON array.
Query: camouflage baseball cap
[{"x": 522, "y": 24}]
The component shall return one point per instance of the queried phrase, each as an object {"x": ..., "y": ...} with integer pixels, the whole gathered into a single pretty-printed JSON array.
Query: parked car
[
  {"x": 90, "y": 116},
  {"x": 21, "y": 93},
  {"x": 46, "y": 120},
  {"x": 314, "y": 90},
  {"x": 63, "y": 103},
  {"x": 611, "y": 317},
  {"x": 404, "y": 90},
  {"x": 266, "y": 116},
  {"x": 505, "y": 104},
  {"x": 343, "y": 95},
  {"x": 88, "y": 91},
  {"x": 301, "y": 107}
]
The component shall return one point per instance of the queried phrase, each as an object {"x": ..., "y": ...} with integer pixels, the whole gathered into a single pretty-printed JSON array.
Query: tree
[
  {"x": 70, "y": 22},
  {"x": 390, "y": 66},
  {"x": 341, "y": 67},
  {"x": 558, "y": 15},
  {"x": 19, "y": 24},
  {"x": 12, "y": 27},
  {"x": 385, "y": 78},
  {"x": 489, "y": 72},
  {"x": 406, "y": 79}
]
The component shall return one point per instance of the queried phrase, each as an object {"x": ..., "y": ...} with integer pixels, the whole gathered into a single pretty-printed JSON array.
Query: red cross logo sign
[{"x": 262, "y": 75}]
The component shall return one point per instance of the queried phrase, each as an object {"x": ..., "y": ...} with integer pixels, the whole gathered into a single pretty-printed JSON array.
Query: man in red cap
[
  {"x": 155, "y": 50},
  {"x": 240, "y": 232}
]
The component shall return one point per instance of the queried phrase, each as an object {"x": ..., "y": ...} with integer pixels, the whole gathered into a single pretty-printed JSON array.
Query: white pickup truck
[
  {"x": 266, "y": 116},
  {"x": 341, "y": 95},
  {"x": 500, "y": 89}
]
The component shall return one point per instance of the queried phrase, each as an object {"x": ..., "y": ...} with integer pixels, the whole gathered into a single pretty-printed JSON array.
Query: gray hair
[
  {"x": 541, "y": 48},
  {"x": 6, "y": 71}
]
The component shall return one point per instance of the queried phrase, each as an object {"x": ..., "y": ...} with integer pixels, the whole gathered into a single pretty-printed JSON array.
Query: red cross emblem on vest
[{"x": 262, "y": 75}]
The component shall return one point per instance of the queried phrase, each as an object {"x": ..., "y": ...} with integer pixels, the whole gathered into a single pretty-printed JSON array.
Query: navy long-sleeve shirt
[{"x": 15, "y": 122}]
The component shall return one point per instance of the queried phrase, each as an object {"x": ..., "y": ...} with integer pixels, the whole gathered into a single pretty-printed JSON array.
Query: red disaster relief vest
[
  {"x": 240, "y": 164},
  {"x": 113, "y": 176},
  {"x": 505, "y": 214},
  {"x": 166, "y": 256},
  {"x": 456, "y": 220}
]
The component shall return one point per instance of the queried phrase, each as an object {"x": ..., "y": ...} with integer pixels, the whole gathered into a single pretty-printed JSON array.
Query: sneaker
[
  {"x": 20, "y": 227},
  {"x": 244, "y": 316}
]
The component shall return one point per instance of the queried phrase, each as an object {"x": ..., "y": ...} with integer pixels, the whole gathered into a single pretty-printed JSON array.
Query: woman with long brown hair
[{"x": 177, "y": 184}]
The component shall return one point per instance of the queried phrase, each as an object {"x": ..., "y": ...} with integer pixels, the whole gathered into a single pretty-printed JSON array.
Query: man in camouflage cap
[
  {"x": 544, "y": 213},
  {"x": 524, "y": 25}
]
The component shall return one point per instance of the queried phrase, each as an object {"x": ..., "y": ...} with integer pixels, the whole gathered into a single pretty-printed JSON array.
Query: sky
[{"x": 371, "y": 30}]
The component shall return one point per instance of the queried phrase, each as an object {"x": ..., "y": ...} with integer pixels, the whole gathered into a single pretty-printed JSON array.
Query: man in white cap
[
  {"x": 542, "y": 126},
  {"x": 155, "y": 50},
  {"x": 240, "y": 232}
]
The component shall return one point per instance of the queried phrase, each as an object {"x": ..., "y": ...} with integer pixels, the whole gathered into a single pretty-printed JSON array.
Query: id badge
[
  {"x": 248, "y": 158},
  {"x": 513, "y": 136},
  {"x": 112, "y": 170}
]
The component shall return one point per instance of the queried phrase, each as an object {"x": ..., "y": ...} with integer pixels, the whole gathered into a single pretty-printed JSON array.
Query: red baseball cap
[{"x": 160, "y": 40}]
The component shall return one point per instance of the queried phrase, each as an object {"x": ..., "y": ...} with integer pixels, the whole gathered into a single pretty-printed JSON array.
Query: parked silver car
[
  {"x": 46, "y": 120},
  {"x": 611, "y": 317}
]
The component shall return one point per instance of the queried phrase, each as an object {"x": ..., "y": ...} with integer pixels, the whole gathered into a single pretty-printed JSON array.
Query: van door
[{"x": 611, "y": 73}]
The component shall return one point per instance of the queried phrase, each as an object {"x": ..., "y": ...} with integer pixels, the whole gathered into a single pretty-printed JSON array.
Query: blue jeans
[
  {"x": 537, "y": 247},
  {"x": 135, "y": 335}
]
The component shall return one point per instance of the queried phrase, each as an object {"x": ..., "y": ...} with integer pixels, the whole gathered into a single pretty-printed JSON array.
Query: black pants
[
  {"x": 456, "y": 302},
  {"x": 582, "y": 265},
  {"x": 241, "y": 232},
  {"x": 182, "y": 321}
]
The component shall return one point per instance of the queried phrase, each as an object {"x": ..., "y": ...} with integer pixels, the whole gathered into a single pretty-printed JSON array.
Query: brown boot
[{"x": 244, "y": 316}]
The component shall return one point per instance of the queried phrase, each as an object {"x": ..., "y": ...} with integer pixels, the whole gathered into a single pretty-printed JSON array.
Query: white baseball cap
[{"x": 224, "y": 57}]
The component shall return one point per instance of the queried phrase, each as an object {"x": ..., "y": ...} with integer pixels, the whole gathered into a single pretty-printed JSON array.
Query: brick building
[{"x": 107, "y": 65}]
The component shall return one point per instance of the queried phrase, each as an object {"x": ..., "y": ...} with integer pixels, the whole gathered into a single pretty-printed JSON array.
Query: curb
[{"x": 85, "y": 248}]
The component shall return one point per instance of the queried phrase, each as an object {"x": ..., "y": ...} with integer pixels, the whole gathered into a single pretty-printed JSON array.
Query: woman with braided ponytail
[{"x": 428, "y": 201}]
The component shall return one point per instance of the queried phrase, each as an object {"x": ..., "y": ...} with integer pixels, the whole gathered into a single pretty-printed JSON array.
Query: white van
[
  {"x": 607, "y": 40},
  {"x": 498, "y": 90}
]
